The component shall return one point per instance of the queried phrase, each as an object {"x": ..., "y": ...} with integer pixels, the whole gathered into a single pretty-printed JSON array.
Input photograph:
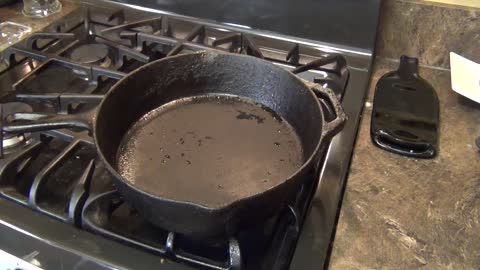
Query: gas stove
[{"x": 58, "y": 207}]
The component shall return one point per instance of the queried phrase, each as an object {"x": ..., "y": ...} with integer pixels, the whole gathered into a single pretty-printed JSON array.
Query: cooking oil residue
[
  {"x": 204, "y": 148},
  {"x": 250, "y": 116}
]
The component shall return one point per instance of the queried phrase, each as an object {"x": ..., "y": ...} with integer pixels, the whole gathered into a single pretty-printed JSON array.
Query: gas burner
[
  {"x": 9, "y": 141},
  {"x": 96, "y": 54}
]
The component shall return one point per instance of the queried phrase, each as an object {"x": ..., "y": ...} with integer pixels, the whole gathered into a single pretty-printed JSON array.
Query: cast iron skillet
[{"x": 205, "y": 143}]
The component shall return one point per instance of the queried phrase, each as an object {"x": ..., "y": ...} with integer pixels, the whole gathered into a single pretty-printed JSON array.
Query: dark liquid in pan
[{"x": 209, "y": 150}]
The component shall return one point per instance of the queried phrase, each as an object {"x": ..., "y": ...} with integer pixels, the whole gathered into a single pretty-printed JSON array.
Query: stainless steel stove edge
[{"x": 356, "y": 57}]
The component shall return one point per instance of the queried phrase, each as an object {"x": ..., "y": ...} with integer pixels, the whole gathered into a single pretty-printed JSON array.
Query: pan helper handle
[
  {"x": 32, "y": 122},
  {"x": 333, "y": 126}
]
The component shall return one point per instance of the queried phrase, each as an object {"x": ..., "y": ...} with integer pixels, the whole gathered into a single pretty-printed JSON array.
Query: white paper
[{"x": 465, "y": 76}]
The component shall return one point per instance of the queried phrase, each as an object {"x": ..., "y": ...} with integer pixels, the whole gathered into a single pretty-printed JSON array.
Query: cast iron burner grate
[{"x": 58, "y": 173}]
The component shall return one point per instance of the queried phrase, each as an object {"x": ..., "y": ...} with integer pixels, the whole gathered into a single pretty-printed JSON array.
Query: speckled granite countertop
[
  {"x": 404, "y": 213},
  {"x": 14, "y": 13}
]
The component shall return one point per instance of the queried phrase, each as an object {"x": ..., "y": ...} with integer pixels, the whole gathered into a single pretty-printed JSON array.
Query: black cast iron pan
[{"x": 202, "y": 144}]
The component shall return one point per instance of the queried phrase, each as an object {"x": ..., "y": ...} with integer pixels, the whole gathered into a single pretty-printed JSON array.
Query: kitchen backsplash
[{"x": 428, "y": 31}]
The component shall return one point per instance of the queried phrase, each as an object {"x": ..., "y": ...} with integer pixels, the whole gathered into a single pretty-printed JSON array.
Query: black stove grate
[
  {"x": 59, "y": 176},
  {"x": 57, "y": 172}
]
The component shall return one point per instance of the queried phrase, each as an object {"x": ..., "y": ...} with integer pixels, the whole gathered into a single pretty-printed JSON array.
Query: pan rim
[{"x": 220, "y": 207}]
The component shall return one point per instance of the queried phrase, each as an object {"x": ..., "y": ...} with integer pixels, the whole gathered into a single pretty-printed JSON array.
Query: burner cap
[
  {"x": 11, "y": 140},
  {"x": 90, "y": 53}
]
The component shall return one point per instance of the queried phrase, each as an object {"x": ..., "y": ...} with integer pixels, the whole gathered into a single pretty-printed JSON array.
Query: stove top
[{"x": 58, "y": 207}]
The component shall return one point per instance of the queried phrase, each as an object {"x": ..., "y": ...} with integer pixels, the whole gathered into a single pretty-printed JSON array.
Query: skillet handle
[
  {"x": 44, "y": 122},
  {"x": 331, "y": 126}
]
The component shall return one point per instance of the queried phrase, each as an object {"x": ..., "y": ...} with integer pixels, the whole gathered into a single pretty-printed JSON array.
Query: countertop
[
  {"x": 405, "y": 213},
  {"x": 13, "y": 13}
]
